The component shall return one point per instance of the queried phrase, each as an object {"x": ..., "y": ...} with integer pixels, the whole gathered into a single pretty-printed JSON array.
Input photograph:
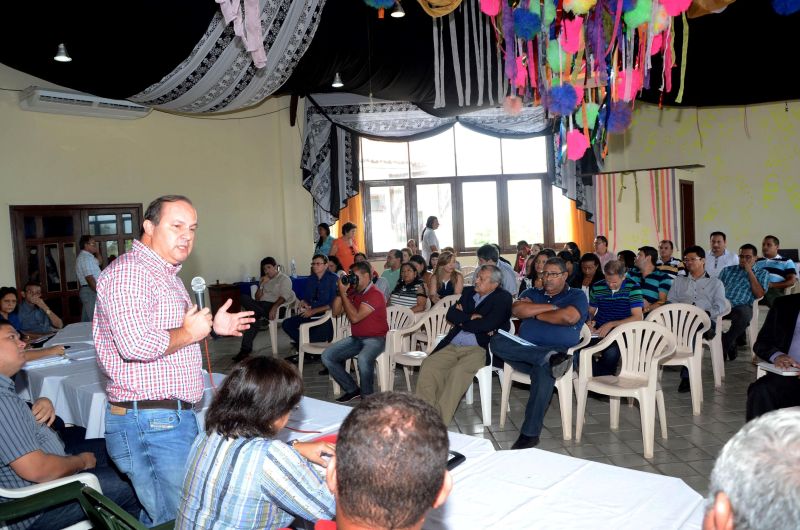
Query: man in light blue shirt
[
  {"x": 87, "y": 270},
  {"x": 781, "y": 271},
  {"x": 489, "y": 255},
  {"x": 35, "y": 317}
]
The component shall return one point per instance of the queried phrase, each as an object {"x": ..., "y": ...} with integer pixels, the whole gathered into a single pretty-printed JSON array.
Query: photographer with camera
[{"x": 365, "y": 307}]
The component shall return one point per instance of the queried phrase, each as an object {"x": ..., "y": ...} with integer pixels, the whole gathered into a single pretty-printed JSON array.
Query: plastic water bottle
[{"x": 294, "y": 269}]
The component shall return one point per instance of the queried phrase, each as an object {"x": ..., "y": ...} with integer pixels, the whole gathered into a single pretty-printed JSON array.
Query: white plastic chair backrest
[
  {"x": 641, "y": 346},
  {"x": 469, "y": 269},
  {"x": 586, "y": 338},
  {"x": 448, "y": 301},
  {"x": 399, "y": 317},
  {"x": 341, "y": 327},
  {"x": 686, "y": 321},
  {"x": 469, "y": 278},
  {"x": 435, "y": 324},
  {"x": 253, "y": 289}
]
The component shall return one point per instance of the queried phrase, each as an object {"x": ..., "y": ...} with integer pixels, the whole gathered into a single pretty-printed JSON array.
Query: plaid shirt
[
  {"x": 139, "y": 299},
  {"x": 737, "y": 284}
]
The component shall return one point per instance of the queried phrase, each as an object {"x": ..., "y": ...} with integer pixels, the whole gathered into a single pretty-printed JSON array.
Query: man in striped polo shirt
[
  {"x": 613, "y": 301},
  {"x": 654, "y": 283},
  {"x": 781, "y": 270}
]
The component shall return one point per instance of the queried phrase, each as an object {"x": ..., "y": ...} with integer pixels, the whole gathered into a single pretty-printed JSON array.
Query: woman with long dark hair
[
  {"x": 239, "y": 475},
  {"x": 428, "y": 242},
  {"x": 325, "y": 241},
  {"x": 590, "y": 273},
  {"x": 410, "y": 290}
]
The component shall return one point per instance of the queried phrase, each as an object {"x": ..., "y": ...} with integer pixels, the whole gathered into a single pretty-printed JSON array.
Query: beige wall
[
  {"x": 242, "y": 175},
  {"x": 750, "y": 185}
]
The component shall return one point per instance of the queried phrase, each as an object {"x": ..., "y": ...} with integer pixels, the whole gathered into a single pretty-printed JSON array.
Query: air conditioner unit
[{"x": 40, "y": 99}]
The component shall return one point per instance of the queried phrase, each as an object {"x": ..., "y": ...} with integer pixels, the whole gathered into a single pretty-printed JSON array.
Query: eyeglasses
[
  {"x": 689, "y": 260},
  {"x": 547, "y": 274},
  {"x": 317, "y": 263}
]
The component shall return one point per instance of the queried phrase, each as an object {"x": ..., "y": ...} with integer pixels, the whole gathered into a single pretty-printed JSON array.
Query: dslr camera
[{"x": 350, "y": 279}]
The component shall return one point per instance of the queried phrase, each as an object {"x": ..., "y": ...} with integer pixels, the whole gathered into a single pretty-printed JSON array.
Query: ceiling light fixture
[
  {"x": 337, "y": 81},
  {"x": 61, "y": 55},
  {"x": 398, "y": 12}
]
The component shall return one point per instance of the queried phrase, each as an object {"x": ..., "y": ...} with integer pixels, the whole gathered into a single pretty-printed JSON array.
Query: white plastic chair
[
  {"x": 642, "y": 346},
  {"x": 398, "y": 342},
  {"x": 20, "y": 493},
  {"x": 688, "y": 323},
  {"x": 752, "y": 330},
  {"x": 446, "y": 303},
  {"x": 285, "y": 311},
  {"x": 341, "y": 329},
  {"x": 563, "y": 385},
  {"x": 715, "y": 348}
]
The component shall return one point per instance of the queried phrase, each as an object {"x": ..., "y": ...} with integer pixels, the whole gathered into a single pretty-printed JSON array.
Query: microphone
[{"x": 199, "y": 288}]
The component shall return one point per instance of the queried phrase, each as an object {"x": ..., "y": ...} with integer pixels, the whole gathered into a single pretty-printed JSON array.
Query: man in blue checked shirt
[{"x": 743, "y": 285}]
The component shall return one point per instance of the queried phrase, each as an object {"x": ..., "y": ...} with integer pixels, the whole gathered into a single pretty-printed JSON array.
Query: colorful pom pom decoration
[
  {"x": 526, "y": 24},
  {"x": 618, "y": 120},
  {"x": 591, "y": 115},
  {"x": 549, "y": 12},
  {"x": 786, "y": 7},
  {"x": 577, "y": 144},
  {"x": 380, "y": 4},
  {"x": 556, "y": 57},
  {"x": 620, "y": 84},
  {"x": 571, "y": 35},
  {"x": 562, "y": 99},
  {"x": 579, "y": 7},
  {"x": 660, "y": 19},
  {"x": 638, "y": 15},
  {"x": 676, "y": 7},
  {"x": 490, "y": 7}
]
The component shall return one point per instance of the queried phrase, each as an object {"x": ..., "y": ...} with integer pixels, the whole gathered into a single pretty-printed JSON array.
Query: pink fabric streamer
[
  {"x": 519, "y": 82},
  {"x": 571, "y": 34},
  {"x": 616, "y": 27},
  {"x": 249, "y": 30}
]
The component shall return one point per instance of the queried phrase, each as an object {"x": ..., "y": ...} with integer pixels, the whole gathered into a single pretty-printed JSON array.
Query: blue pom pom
[
  {"x": 562, "y": 99},
  {"x": 619, "y": 119},
  {"x": 627, "y": 5},
  {"x": 786, "y": 7},
  {"x": 526, "y": 24},
  {"x": 380, "y": 4}
]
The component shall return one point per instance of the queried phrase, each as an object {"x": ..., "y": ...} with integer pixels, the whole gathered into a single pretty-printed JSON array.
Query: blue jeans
[
  {"x": 606, "y": 364},
  {"x": 531, "y": 360},
  {"x": 367, "y": 348},
  {"x": 151, "y": 447},
  {"x": 88, "y": 298}
]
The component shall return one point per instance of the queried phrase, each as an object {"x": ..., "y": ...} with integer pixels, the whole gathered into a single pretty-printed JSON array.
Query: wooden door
[{"x": 687, "y": 214}]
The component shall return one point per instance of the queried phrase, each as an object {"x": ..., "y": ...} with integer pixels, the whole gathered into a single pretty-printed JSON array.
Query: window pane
[
  {"x": 525, "y": 219},
  {"x": 112, "y": 250},
  {"x": 384, "y": 160},
  {"x": 525, "y": 156},
  {"x": 434, "y": 156},
  {"x": 30, "y": 226},
  {"x": 33, "y": 264},
  {"x": 387, "y": 206},
  {"x": 57, "y": 226},
  {"x": 69, "y": 266},
  {"x": 562, "y": 216},
  {"x": 476, "y": 154},
  {"x": 51, "y": 263},
  {"x": 128, "y": 245},
  {"x": 435, "y": 199},
  {"x": 104, "y": 224},
  {"x": 127, "y": 223},
  {"x": 480, "y": 213}
]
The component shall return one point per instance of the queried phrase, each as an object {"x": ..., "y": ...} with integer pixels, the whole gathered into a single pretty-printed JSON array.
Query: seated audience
[
  {"x": 482, "y": 309},
  {"x": 325, "y": 241},
  {"x": 666, "y": 262},
  {"x": 531, "y": 275},
  {"x": 699, "y": 289},
  {"x": 424, "y": 274},
  {"x": 274, "y": 289},
  {"x": 445, "y": 279},
  {"x": 433, "y": 261},
  {"x": 412, "y": 247},
  {"x": 602, "y": 252},
  {"x": 613, "y": 301},
  {"x": 409, "y": 291},
  {"x": 405, "y": 254},
  {"x": 31, "y": 452},
  {"x": 35, "y": 317},
  {"x": 536, "y": 248},
  {"x": 572, "y": 270},
  {"x": 452, "y": 251},
  {"x": 781, "y": 270},
  {"x": 573, "y": 248},
  {"x": 390, "y": 466},
  {"x": 590, "y": 273},
  {"x": 391, "y": 270},
  {"x": 540, "y": 259},
  {"x": 778, "y": 343},
  {"x": 552, "y": 319},
  {"x": 523, "y": 252},
  {"x": 743, "y": 285},
  {"x": 755, "y": 484},
  {"x": 365, "y": 308},
  {"x": 489, "y": 255},
  {"x": 719, "y": 257},
  {"x": 320, "y": 291},
  {"x": 655, "y": 284},
  {"x": 238, "y": 474},
  {"x": 335, "y": 266},
  {"x": 345, "y": 247},
  {"x": 8, "y": 307},
  {"x": 628, "y": 258}
]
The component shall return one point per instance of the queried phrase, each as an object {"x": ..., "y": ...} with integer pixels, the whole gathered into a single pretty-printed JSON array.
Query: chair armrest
[
  {"x": 585, "y": 367},
  {"x": 27, "y": 491},
  {"x": 50, "y": 497},
  {"x": 304, "y": 328}
]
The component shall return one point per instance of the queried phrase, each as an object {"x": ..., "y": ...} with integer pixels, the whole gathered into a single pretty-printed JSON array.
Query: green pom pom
[
  {"x": 556, "y": 57},
  {"x": 549, "y": 13},
  {"x": 591, "y": 115},
  {"x": 638, "y": 15}
]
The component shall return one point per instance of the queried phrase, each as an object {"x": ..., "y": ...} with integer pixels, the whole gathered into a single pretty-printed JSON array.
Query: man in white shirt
[
  {"x": 87, "y": 269},
  {"x": 428, "y": 242},
  {"x": 275, "y": 289},
  {"x": 719, "y": 257}
]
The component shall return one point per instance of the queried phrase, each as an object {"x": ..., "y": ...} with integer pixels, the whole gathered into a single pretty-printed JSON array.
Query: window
[{"x": 481, "y": 188}]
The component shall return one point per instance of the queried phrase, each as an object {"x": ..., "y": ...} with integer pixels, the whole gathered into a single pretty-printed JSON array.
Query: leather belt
[{"x": 169, "y": 404}]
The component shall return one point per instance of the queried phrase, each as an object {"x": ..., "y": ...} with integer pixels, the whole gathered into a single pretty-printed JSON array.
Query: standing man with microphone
[{"x": 146, "y": 332}]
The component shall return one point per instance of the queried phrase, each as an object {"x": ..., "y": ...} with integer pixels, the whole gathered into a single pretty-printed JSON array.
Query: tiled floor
[{"x": 688, "y": 453}]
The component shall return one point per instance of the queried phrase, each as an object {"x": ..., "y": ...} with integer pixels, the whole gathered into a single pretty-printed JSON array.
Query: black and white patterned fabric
[
  {"x": 334, "y": 122},
  {"x": 219, "y": 74}
]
